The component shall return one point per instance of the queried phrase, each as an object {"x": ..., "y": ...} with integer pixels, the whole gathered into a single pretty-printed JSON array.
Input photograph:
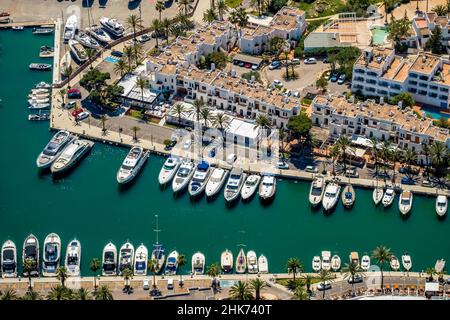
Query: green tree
[
  {"x": 156, "y": 27},
  {"x": 94, "y": 266},
  {"x": 179, "y": 110},
  {"x": 181, "y": 263},
  {"x": 300, "y": 293},
  {"x": 185, "y": 6},
  {"x": 343, "y": 144},
  {"x": 240, "y": 291},
  {"x": 152, "y": 266},
  {"x": 135, "y": 130},
  {"x": 67, "y": 73},
  {"x": 308, "y": 279},
  {"x": 257, "y": 285},
  {"x": 399, "y": 29},
  {"x": 82, "y": 294},
  {"x": 62, "y": 94},
  {"x": 209, "y": 15},
  {"x": 59, "y": 293},
  {"x": 322, "y": 84},
  {"x": 31, "y": 295},
  {"x": 351, "y": 270},
  {"x": 440, "y": 10},
  {"x": 382, "y": 255},
  {"x": 197, "y": 106},
  {"x": 160, "y": 7},
  {"x": 62, "y": 275},
  {"x": 213, "y": 270},
  {"x": 434, "y": 44},
  {"x": 374, "y": 143},
  {"x": 166, "y": 24},
  {"x": 29, "y": 265},
  {"x": 439, "y": 156},
  {"x": 90, "y": 53},
  {"x": 294, "y": 265},
  {"x": 299, "y": 125},
  {"x": 222, "y": 8},
  {"x": 103, "y": 293},
  {"x": 9, "y": 294},
  {"x": 206, "y": 116},
  {"x": 127, "y": 275},
  {"x": 396, "y": 156},
  {"x": 141, "y": 83},
  {"x": 134, "y": 23},
  {"x": 430, "y": 271},
  {"x": 405, "y": 97},
  {"x": 221, "y": 121},
  {"x": 410, "y": 157},
  {"x": 334, "y": 154},
  {"x": 324, "y": 277},
  {"x": 385, "y": 153}
]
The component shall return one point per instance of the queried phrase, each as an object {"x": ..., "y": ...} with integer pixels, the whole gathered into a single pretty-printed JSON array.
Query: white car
[
  {"x": 231, "y": 158},
  {"x": 295, "y": 61},
  {"x": 187, "y": 144},
  {"x": 312, "y": 169},
  {"x": 278, "y": 83},
  {"x": 83, "y": 115},
  {"x": 282, "y": 165},
  {"x": 144, "y": 38},
  {"x": 324, "y": 286},
  {"x": 71, "y": 104},
  {"x": 310, "y": 61},
  {"x": 145, "y": 284},
  {"x": 341, "y": 79}
]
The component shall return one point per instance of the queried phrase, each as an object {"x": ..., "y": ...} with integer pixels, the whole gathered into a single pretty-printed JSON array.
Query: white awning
[{"x": 431, "y": 286}]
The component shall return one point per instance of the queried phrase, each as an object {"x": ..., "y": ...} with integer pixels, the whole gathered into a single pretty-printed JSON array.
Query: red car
[
  {"x": 248, "y": 65},
  {"x": 77, "y": 112},
  {"x": 73, "y": 90}
]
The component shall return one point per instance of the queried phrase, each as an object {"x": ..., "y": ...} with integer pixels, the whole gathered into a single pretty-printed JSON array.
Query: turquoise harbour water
[{"x": 88, "y": 205}]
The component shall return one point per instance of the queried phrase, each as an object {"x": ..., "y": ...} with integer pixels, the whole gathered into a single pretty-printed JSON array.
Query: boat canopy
[{"x": 203, "y": 165}]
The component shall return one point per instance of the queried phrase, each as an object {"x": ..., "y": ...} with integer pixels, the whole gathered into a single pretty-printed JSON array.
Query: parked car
[
  {"x": 74, "y": 94},
  {"x": 341, "y": 79},
  {"x": 70, "y": 105},
  {"x": 287, "y": 93},
  {"x": 241, "y": 64},
  {"x": 235, "y": 62},
  {"x": 144, "y": 38},
  {"x": 255, "y": 67},
  {"x": 278, "y": 83},
  {"x": 296, "y": 94},
  {"x": 231, "y": 158},
  {"x": 187, "y": 144},
  {"x": 282, "y": 165},
  {"x": 356, "y": 279},
  {"x": 408, "y": 181},
  {"x": 248, "y": 65},
  {"x": 116, "y": 53},
  {"x": 352, "y": 173},
  {"x": 172, "y": 143},
  {"x": 77, "y": 112},
  {"x": 170, "y": 283},
  {"x": 212, "y": 153},
  {"x": 426, "y": 183},
  {"x": 310, "y": 61},
  {"x": 324, "y": 286},
  {"x": 82, "y": 115},
  {"x": 145, "y": 284},
  {"x": 295, "y": 61},
  {"x": 327, "y": 75},
  {"x": 275, "y": 65},
  {"x": 312, "y": 169},
  {"x": 334, "y": 77}
]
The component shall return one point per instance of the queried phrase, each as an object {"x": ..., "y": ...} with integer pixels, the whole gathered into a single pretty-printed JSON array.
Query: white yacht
[
  {"x": 198, "y": 263},
  {"x": 51, "y": 255},
  {"x": 38, "y": 100},
  {"x": 252, "y": 262},
  {"x": 405, "y": 202},
  {"x": 216, "y": 181},
  {"x": 112, "y": 26},
  {"x": 200, "y": 179},
  {"x": 250, "y": 186},
  {"x": 406, "y": 262},
  {"x": 65, "y": 62},
  {"x": 335, "y": 263},
  {"x": 109, "y": 260},
  {"x": 78, "y": 51},
  {"x": 141, "y": 260},
  {"x": 41, "y": 91},
  {"x": 172, "y": 263},
  {"x": 183, "y": 176},
  {"x": 267, "y": 187},
  {"x": 43, "y": 85},
  {"x": 132, "y": 164},
  {"x": 241, "y": 262},
  {"x": 234, "y": 185},
  {"x": 87, "y": 41},
  {"x": 316, "y": 191},
  {"x": 331, "y": 196},
  {"x": 70, "y": 28},
  {"x": 38, "y": 96},
  {"x": 263, "y": 265},
  {"x": 73, "y": 258},
  {"x": 53, "y": 149},
  {"x": 71, "y": 154},
  {"x": 99, "y": 34},
  {"x": 377, "y": 195},
  {"x": 126, "y": 257},
  {"x": 394, "y": 263},
  {"x": 31, "y": 252},
  {"x": 316, "y": 263},
  {"x": 38, "y": 106},
  {"x": 326, "y": 260},
  {"x": 168, "y": 170},
  {"x": 441, "y": 205},
  {"x": 226, "y": 261},
  {"x": 9, "y": 260},
  {"x": 388, "y": 197},
  {"x": 365, "y": 262},
  {"x": 354, "y": 258}
]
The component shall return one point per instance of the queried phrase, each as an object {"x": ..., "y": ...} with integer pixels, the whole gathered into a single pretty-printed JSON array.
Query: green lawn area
[
  {"x": 134, "y": 113},
  {"x": 233, "y": 3},
  {"x": 322, "y": 8}
]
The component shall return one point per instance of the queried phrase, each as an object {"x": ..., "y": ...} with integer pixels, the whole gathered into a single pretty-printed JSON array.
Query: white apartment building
[{"x": 425, "y": 23}]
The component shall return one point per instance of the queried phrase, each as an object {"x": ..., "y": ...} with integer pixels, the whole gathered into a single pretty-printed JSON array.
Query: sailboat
[
  {"x": 241, "y": 262},
  {"x": 158, "y": 253},
  {"x": 226, "y": 261},
  {"x": 377, "y": 194}
]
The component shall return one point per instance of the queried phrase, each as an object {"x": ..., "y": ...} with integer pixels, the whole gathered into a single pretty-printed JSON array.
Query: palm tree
[
  {"x": 343, "y": 144},
  {"x": 31, "y": 295},
  {"x": 240, "y": 291},
  {"x": 181, "y": 262},
  {"x": 198, "y": 106},
  {"x": 222, "y": 8},
  {"x": 67, "y": 72},
  {"x": 160, "y": 7},
  {"x": 134, "y": 22},
  {"x": 350, "y": 271},
  {"x": 178, "y": 110},
  {"x": 103, "y": 119},
  {"x": 28, "y": 266},
  {"x": 430, "y": 271},
  {"x": 9, "y": 294},
  {"x": 382, "y": 254},
  {"x": 62, "y": 94},
  {"x": 166, "y": 24},
  {"x": 300, "y": 293},
  {"x": 151, "y": 266},
  {"x": 82, "y": 294},
  {"x": 374, "y": 142},
  {"x": 61, "y": 275},
  {"x": 213, "y": 270},
  {"x": 325, "y": 276},
  {"x": 294, "y": 265},
  {"x": 438, "y": 155},
  {"x": 129, "y": 55},
  {"x": 94, "y": 265},
  {"x": 103, "y": 293},
  {"x": 334, "y": 153},
  {"x": 59, "y": 293},
  {"x": 156, "y": 28},
  {"x": 206, "y": 115},
  {"x": 308, "y": 279},
  {"x": 234, "y": 18},
  {"x": 242, "y": 17},
  {"x": 127, "y": 274},
  {"x": 186, "y": 6},
  {"x": 220, "y": 120},
  {"x": 209, "y": 15},
  {"x": 257, "y": 285},
  {"x": 137, "y": 53},
  {"x": 396, "y": 156},
  {"x": 90, "y": 53},
  {"x": 262, "y": 121},
  {"x": 385, "y": 152},
  {"x": 135, "y": 130},
  {"x": 426, "y": 151},
  {"x": 141, "y": 83},
  {"x": 410, "y": 158},
  {"x": 120, "y": 67}
]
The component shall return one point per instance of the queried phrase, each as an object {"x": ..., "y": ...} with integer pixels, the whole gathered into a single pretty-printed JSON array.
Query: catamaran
[
  {"x": 87, "y": 41},
  {"x": 141, "y": 260},
  {"x": 250, "y": 186},
  {"x": 168, "y": 170},
  {"x": 216, "y": 181},
  {"x": 78, "y": 51},
  {"x": 53, "y": 149},
  {"x": 184, "y": 174},
  {"x": 51, "y": 255},
  {"x": 263, "y": 265},
  {"x": 268, "y": 187},
  {"x": 31, "y": 253},
  {"x": 326, "y": 262},
  {"x": 70, "y": 28},
  {"x": 73, "y": 258},
  {"x": 71, "y": 154},
  {"x": 226, "y": 261},
  {"x": 99, "y": 34},
  {"x": 405, "y": 202},
  {"x": 395, "y": 264},
  {"x": 241, "y": 262},
  {"x": 406, "y": 261},
  {"x": 348, "y": 196},
  {"x": 109, "y": 265},
  {"x": 172, "y": 263},
  {"x": 9, "y": 260},
  {"x": 132, "y": 164},
  {"x": 252, "y": 262},
  {"x": 365, "y": 262},
  {"x": 200, "y": 179},
  {"x": 198, "y": 263},
  {"x": 126, "y": 257},
  {"x": 335, "y": 263},
  {"x": 317, "y": 190},
  {"x": 158, "y": 253},
  {"x": 331, "y": 196},
  {"x": 441, "y": 205},
  {"x": 316, "y": 263},
  {"x": 112, "y": 26},
  {"x": 234, "y": 185},
  {"x": 388, "y": 197}
]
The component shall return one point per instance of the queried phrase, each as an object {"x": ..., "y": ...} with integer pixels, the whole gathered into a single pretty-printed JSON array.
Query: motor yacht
[
  {"x": 31, "y": 253},
  {"x": 172, "y": 263},
  {"x": 394, "y": 263},
  {"x": 99, "y": 34},
  {"x": 51, "y": 255},
  {"x": 234, "y": 185},
  {"x": 141, "y": 260},
  {"x": 226, "y": 261},
  {"x": 53, "y": 149},
  {"x": 441, "y": 205},
  {"x": 331, "y": 196},
  {"x": 267, "y": 187},
  {"x": 388, "y": 197},
  {"x": 71, "y": 154},
  {"x": 87, "y": 41},
  {"x": 168, "y": 170},
  {"x": 250, "y": 186},
  {"x": 40, "y": 66},
  {"x": 252, "y": 262},
  {"x": 132, "y": 164},
  {"x": 183, "y": 176},
  {"x": 198, "y": 263},
  {"x": 326, "y": 260},
  {"x": 109, "y": 262},
  {"x": 405, "y": 202},
  {"x": 365, "y": 262},
  {"x": 316, "y": 263},
  {"x": 317, "y": 190},
  {"x": 200, "y": 179},
  {"x": 126, "y": 257},
  {"x": 336, "y": 263},
  {"x": 112, "y": 26},
  {"x": 78, "y": 51},
  {"x": 216, "y": 181},
  {"x": 406, "y": 262},
  {"x": 70, "y": 28},
  {"x": 39, "y": 106},
  {"x": 241, "y": 262},
  {"x": 43, "y": 85},
  {"x": 9, "y": 260},
  {"x": 263, "y": 265},
  {"x": 73, "y": 258}
]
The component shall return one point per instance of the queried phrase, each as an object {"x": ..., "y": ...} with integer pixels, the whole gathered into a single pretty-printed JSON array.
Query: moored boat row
[{"x": 244, "y": 262}]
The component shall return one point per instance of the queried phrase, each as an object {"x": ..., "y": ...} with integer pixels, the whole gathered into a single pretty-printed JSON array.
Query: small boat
[
  {"x": 406, "y": 262},
  {"x": 31, "y": 252},
  {"x": 51, "y": 255},
  {"x": 263, "y": 265},
  {"x": 316, "y": 263},
  {"x": 250, "y": 186},
  {"x": 132, "y": 164},
  {"x": 42, "y": 31},
  {"x": 9, "y": 260},
  {"x": 65, "y": 62},
  {"x": 252, "y": 262},
  {"x": 365, "y": 262},
  {"x": 126, "y": 257},
  {"x": 200, "y": 179},
  {"x": 17, "y": 28},
  {"x": 172, "y": 263},
  {"x": 78, "y": 51},
  {"x": 38, "y": 101},
  {"x": 141, "y": 260},
  {"x": 348, "y": 196},
  {"x": 268, "y": 187},
  {"x": 183, "y": 176},
  {"x": 43, "y": 85},
  {"x": 39, "y": 92},
  {"x": 388, "y": 197},
  {"x": 405, "y": 202},
  {"x": 226, "y": 261},
  {"x": 441, "y": 205},
  {"x": 37, "y": 96},
  {"x": 40, "y": 66},
  {"x": 158, "y": 255},
  {"x": 198, "y": 263},
  {"x": 112, "y": 26},
  {"x": 377, "y": 195},
  {"x": 70, "y": 28},
  {"x": 326, "y": 260},
  {"x": 331, "y": 196},
  {"x": 317, "y": 190},
  {"x": 216, "y": 181},
  {"x": 73, "y": 258},
  {"x": 46, "y": 52},
  {"x": 99, "y": 34},
  {"x": 39, "y": 106},
  {"x": 241, "y": 262},
  {"x": 395, "y": 265},
  {"x": 354, "y": 258},
  {"x": 53, "y": 149},
  {"x": 234, "y": 185},
  {"x": 38, "y": 117},
  {"x": 335, "y": 263},
  {"x": 168, "y": 170},
  {"x": 439, "y": 266},
  {"x": 71, "y": 154},
  {"x": 87, "y": 41},
  {"x": 109, "y": 263}
]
